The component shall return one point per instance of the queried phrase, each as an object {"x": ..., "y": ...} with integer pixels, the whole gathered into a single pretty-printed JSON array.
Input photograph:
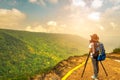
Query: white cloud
[
  {"x": 78, "y": 3},
  {"x": 53, "y": 1},
  {"x": 116, "y": 7},
  {"x": 63, "y": 25},
  {"x": 32, "y": 1},
  {"x": 51, "y": 23},
  {"x": 14, "y": 13},
  {"x": 13, "y": 3},
  {"x": 37, "y": 28},
  {"x": 43, "y": 2},
  {"x": 94, "y": 16},
  {"x": 97, "y": 3},
  {"x": 11, "y": 18},
  {"x": 112, "y": 13},
  {"x": 39, "y": 2},
  {"x": 47, "y": 28},
  {"x": 113, "y": 25},
  {"x": 115, "y": 2},
  {"x": 101, "y": 28},
  {"x": 111, "y": 17}
]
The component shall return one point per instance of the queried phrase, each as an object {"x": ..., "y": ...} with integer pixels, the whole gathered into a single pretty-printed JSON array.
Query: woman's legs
[{"x": 95, "y": 67}]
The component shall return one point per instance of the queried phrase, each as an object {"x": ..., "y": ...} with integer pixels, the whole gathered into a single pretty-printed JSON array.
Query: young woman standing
[{"x": 94, "y": 52}]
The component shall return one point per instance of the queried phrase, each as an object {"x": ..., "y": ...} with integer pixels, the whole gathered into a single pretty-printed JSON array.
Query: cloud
[
  {"x": 53, "y": 1},
  {"x": 116, "y": 8},
  {"x": 38, "y": 2},
  {"x": 101, "y": 28},
  {"x": 11, "y": 18},
  {"x": 12, "y": 2},
  {"x": 97, "y": 3},
  {"x": 115, "y": 2},
  {"x": 63, "y": 25},
  {"x": 43, "y": 2},
  {"x": 113, "y": 25},
  {"x": 47, "y": 28},
  {"x": 111, "y": 17},
  {"x": 78, "y": 3},
  {"x": 94, "y": 16},
  {"x": 51, "y": 23},
  {"x": 38, "y": 28},
  {"x": 32, "y": 1}
]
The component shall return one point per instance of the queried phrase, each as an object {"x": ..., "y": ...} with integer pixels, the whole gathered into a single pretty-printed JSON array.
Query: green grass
[
  {"x": 116, "y": 50},
  {"x": 24, "y": 54}
]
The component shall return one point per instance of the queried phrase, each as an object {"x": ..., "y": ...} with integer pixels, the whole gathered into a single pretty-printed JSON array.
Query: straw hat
[{"x": 94, "y": 37}]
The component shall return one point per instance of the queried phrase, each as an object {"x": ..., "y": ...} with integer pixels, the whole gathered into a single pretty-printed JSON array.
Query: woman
[{"x": 94, "y": 52}]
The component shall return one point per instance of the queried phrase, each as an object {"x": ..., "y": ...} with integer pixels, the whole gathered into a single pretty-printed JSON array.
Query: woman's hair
[
  {"x": 90, "y": 41},
  {"x": 94, "y": 38}
]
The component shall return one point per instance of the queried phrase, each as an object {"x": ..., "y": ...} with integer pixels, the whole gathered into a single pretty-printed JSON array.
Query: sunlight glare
[{"x": 94, "y": 16}]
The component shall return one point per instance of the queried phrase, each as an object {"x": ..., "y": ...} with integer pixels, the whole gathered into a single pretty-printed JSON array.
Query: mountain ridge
[{"x": 27, "y": 53}]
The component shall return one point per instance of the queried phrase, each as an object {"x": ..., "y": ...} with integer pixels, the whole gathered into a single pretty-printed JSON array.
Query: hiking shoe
[{"x": 94, "y": 77}]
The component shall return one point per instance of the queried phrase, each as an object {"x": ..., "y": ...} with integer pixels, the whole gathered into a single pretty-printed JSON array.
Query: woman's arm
[
  {"x": 90, "y": 50},
  {"x": 90, "y": 47}
]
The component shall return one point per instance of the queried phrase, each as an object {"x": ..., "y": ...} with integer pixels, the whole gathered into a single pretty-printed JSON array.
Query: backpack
[
  {"x": 102, "y": 54},
  {"x": 96, "y": 47}
]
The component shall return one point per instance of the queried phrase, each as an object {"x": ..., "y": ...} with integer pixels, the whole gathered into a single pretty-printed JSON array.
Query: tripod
[{"x": 86, "y": 65}]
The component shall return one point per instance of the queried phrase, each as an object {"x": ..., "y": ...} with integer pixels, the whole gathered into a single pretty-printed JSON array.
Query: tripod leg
[
  {"x": 85, "y": 65},
  {"x": 104, "y": 68}
]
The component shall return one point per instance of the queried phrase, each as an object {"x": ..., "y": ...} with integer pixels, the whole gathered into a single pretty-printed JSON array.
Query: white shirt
[{"x": 91, "y": 46}]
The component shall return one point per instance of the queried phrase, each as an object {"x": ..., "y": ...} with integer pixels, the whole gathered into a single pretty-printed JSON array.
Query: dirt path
[
  {"x": 112, "y": 67},
  {"x": 71, "y": 69}
]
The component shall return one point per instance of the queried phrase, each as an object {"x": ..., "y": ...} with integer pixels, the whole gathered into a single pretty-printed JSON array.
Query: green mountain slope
[{"x": 24, "y": 54}]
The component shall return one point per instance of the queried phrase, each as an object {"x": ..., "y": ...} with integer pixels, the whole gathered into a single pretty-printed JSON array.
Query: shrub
[{"x": 116, "y": 50}]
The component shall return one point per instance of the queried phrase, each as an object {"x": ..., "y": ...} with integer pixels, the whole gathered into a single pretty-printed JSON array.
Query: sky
[{"x": 79, "y": 17}]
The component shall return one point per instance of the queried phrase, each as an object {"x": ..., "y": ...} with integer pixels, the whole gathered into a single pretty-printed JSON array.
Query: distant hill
[{"x": 23, "y": 54}]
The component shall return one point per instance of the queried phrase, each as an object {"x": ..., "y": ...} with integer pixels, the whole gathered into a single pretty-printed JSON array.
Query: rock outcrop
[{"x": 60, "y": 69}]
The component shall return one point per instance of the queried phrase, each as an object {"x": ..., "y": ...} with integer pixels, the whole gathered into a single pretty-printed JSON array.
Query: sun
[{"x": 94, "y": 16}]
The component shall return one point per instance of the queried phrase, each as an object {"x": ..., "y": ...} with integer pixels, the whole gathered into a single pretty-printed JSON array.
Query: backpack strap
[
  {"x": 96, "y": 53},
  {"x": 96, "y": 45}
]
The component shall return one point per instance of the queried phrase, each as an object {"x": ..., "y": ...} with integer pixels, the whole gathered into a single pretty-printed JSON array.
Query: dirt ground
[{"x": 111, "y": 64}]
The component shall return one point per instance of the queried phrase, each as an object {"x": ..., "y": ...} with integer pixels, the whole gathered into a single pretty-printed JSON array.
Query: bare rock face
[
  {"x": 60, "y": 69},
  {"x": 51, "y": 76},
  {"x": 64, "y": 66},
  {"x": 37, "y": 77}
]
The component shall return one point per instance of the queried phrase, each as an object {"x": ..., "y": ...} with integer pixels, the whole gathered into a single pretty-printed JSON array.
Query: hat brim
[{"x": 95, "y": 38}]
